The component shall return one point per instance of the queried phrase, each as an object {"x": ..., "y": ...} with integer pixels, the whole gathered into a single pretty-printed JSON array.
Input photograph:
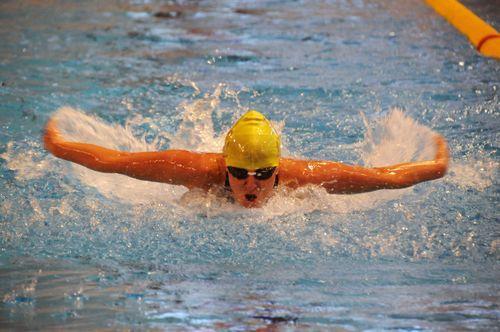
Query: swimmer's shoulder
[
  {"x": 292, "y": 171},
  {"x": 213, "y": 168}
]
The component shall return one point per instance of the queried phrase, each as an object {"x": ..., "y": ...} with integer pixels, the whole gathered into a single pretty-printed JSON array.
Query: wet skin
[{"x": 251, "y": 192}]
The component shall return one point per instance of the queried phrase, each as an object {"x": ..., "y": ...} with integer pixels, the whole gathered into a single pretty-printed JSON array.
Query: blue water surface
[{"x": 75, "y": 257}]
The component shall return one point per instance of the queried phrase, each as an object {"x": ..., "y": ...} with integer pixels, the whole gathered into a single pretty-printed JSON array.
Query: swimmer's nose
[{"x": 251, "y": 184}]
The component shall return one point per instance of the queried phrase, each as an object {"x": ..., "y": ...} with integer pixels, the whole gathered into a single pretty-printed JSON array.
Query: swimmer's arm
[
  {"x": 338, "y": 178},
  {"x": 177, "y": 167}
]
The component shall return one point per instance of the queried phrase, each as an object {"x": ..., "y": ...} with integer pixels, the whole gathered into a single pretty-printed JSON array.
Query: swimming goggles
[{"x": 260, "y": 174}]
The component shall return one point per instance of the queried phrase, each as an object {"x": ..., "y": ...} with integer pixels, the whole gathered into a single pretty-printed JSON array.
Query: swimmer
[{"x": 249, "y": 167}]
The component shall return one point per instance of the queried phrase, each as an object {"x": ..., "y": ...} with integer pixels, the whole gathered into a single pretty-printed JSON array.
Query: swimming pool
[{"x": 343, "y": 80}]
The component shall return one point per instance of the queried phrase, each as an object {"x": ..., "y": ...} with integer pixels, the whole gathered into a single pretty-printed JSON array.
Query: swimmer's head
[
  {"x": 252, "y": 154},
  {"x": 252, "y": 143}
]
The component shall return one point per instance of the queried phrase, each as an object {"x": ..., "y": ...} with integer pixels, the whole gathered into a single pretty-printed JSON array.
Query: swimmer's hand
[
  {"x": 442, "y": 157},
  {"x": 51, "y": 137}
]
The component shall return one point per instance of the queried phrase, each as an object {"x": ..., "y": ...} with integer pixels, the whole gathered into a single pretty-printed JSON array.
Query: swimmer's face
[{"x": 252, "y": 188}]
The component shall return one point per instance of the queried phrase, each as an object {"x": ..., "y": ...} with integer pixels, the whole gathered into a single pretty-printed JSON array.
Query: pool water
[{"x": 362, "y": 82}]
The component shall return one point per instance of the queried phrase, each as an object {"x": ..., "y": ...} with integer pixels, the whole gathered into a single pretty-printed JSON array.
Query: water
[{"x": 363, "y": 82}]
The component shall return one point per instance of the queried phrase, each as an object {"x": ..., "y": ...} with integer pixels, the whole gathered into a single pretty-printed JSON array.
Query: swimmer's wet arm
[
  {"x": 346, "y": 179},
  {"x": 177, "y": 167}
]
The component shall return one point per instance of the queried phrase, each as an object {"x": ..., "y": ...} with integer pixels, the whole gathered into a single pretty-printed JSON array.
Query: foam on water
[
  {"x": 305, "y": 221},
  {"x": 88, "y": 208}
]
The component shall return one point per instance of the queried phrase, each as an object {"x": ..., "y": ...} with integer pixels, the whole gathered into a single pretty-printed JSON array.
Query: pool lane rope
[{"x": 482, "y": 35}]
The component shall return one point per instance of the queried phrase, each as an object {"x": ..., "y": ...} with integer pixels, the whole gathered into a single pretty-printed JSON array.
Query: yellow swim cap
[{"x": 252, "y": 143}]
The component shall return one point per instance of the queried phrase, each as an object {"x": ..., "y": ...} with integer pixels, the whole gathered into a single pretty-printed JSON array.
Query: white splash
[
  {"x": 30, "y": 164},
  {"x": 76, "y": 126},
  {"x": 477, "y": 174},
  {"x": 394, "y": 139},
  {"x": 196, "y": 131}
]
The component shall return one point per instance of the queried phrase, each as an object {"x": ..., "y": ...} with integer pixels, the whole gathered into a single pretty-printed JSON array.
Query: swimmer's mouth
[{"x": 250, "y": 197}]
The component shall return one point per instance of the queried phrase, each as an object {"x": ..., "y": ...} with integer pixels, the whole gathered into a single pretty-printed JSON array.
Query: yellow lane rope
[{"x": 482, "y": 35}]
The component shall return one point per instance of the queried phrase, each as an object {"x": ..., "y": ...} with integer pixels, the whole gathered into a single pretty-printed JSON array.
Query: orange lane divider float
[{"x": 482, "y": 35}]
